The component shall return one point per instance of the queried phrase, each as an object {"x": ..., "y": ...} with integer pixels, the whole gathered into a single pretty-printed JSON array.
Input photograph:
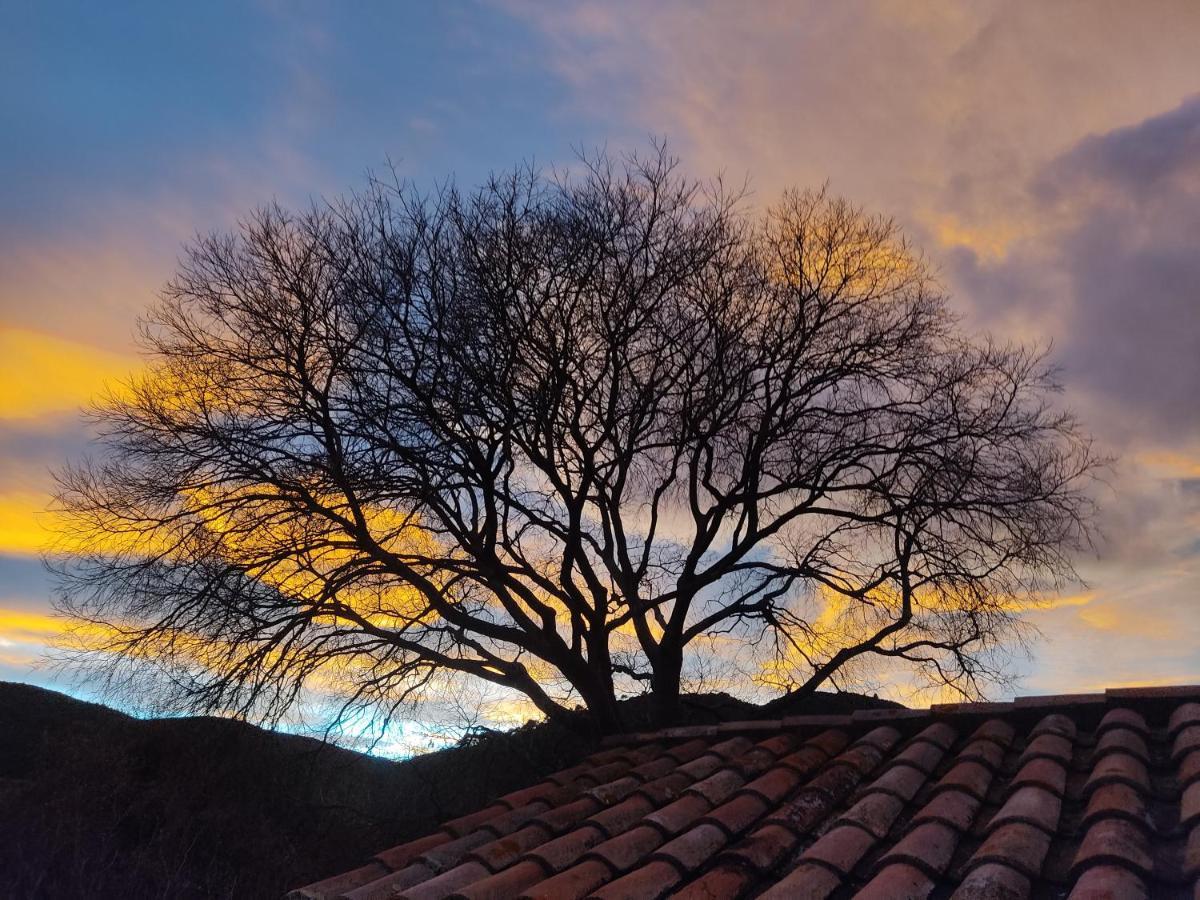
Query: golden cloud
[{"x": 41, "y": 374}]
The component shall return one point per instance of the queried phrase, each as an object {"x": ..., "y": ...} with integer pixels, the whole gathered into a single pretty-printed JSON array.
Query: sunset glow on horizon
[{"x": 1044, "y": 158}]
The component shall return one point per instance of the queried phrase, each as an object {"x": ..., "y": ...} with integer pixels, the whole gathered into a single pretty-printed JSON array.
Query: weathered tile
[
  {"x": 764, "y": 848},
  {"x": 805, "y": 882},
  {"x": 623, "y": 851},
  {"x": 1118, "y": 768},
  {"x": 902, "y": 782},
  {"x": 555, "y": 855},
  {"x": 679, "y": 814},
  {"x": 921, "y": 755},
  {"x": 691, "y": 849},
  {"x": 1109, "y": 883},
  {"x": 1115, "y": 840},
  {"x": 1123, "y": 718},
  {"x": 1187, "y": 739},
  {"x": 774, "y": 785},
  {"x": 1183, "y": 715},
  {"x": 1055, "y": 723},
  {"x": 1051, "y": 746},
  {"x": 929, "y": 847},
  {"x": 738, "y": 814},
  {"x": 993, "y": 881},
  {"x": 954, "y": 808},
  {"x": 1020, "y": 846},
  {"x": 577, "y": 881},
  {"x": 840, "y": 848},
  {"x": 970, "y": 777},
  {"x": 897, "y": 882},
  {"x": 1044, "y": 773},
  {"x": 875, "y": 812},
  {"x": 649, "y": 882},
  {"x": 1122, "y": 740},
  {"x": 1119, "y": 801}
]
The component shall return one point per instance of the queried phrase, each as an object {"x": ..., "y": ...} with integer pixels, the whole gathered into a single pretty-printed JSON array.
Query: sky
[{"x": 1046, "y": 157}]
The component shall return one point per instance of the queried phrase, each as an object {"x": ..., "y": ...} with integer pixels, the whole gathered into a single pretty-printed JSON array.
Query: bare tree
[{"x": 553, "y": 433}]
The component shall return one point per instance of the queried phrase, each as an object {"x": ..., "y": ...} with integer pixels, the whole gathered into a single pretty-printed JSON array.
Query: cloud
[{"x": 43, "y": 375}]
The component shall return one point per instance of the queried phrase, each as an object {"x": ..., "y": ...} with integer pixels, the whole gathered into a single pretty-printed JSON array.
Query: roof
[{"x": 1083, "y": 795}]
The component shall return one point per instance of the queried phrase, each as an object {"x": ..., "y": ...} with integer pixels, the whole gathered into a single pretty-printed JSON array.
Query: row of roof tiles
[{"x": 1085, "y": 796}]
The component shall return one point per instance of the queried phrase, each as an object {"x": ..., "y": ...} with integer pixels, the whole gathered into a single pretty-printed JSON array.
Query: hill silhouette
[{"x": 99, "y": 804}]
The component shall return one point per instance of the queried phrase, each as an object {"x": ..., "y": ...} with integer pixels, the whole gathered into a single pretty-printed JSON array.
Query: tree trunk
[{"x": 665, "y": 685}]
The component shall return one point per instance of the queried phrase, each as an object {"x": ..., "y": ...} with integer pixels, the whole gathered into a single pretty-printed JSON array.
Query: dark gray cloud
[{"x": 1116, "y": 278}]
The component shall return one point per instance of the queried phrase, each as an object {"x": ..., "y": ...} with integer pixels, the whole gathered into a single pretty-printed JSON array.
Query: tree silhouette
[{"x": 554, "y": 433}]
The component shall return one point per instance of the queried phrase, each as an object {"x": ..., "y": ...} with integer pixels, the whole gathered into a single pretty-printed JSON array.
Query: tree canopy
[{"x": 571, "y": 435}]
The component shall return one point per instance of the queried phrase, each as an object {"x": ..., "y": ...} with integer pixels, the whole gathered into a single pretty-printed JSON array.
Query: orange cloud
[
  {"x": 41, "y": 374},
  {"x": 22, "y": 525},
  {"x": 22, "y": 627}
]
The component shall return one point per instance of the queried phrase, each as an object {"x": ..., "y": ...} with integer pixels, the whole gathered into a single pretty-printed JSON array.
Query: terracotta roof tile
[
  {"x": 723, "y": 881},
  {"x": 617, "y": 818},
  {"x": 764, "y": 849},
  {"x": 1119, "y": 768},
  {"x": 993, "y": 881},
  {"x": 929, "y": 847},
  {"x": 1184, "y": 715},
  {"x": 1115, "y": 840},
  {"x": 564, "y": 850},
  {"x": 1109, "y": 883},
  {"x": 970, "y": 777},
  {"x": 1044, "y": 773},
  {"x": 1033, "y": 805},
  {"x": 1055, "y": 723},
  {"x": 874, "y": 813},
  {"x": 807, "y": 882},
  {"x": 921, "y": 755},
  {"x": 504, "y": 885},
  {"x": 840, "y": 848},
  {"x": 1048, "y": 746},
  {"x": 400, "y": 856},
  {"x": 954, "y": 808},
  {"x": 716, "y": 788},
  {"x": 578, "y": 881},
  {"x": 688, "y": 851},
  {"x": 443, "y": 856},
  {"x": 1082, "y": 795},
  {"x": 676, "y": 816},
  {"x": 995, "y": 730},
  {"x": 1189, "y": 805},
  {"x": 392, "y": 885},
  {"x": 621, "y": 852},
  {"x": 1122, "y": 717},
  {"x": 1017, "y": 845},
  {"x": 1118, "y": 801},
  {"x": 1122, "y": 740},
  {"x": 736, "y": 815},
  {"x": 775, "y": 784},
  {"x": 649, "y": 882},
  {"x": 446, "y": 883},
  {"x": 331, "y": 887},
  {"x": 503, "y": 851},
  {"x": 901, "y": 782},
  {"x": 898, "y": 881},
  {"x": 560, "y": 819},
  {"x": 1187, "y": 739},
  {"x": 1189, "y": 768}
]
